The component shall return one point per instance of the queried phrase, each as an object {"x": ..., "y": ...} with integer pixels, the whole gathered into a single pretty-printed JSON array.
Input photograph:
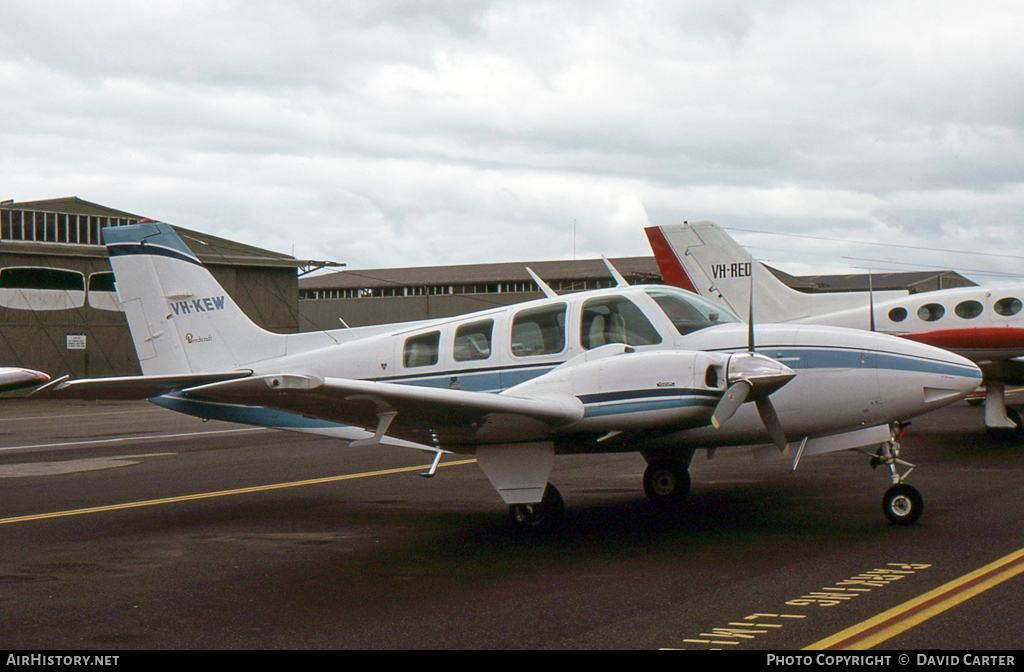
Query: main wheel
[
  {"x": 902, "y": 504},
  {"x": 545, "y": 516},
  {"x": 667, "y": 483}
]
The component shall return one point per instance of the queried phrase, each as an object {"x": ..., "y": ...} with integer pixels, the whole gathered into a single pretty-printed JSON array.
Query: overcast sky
[{"x": 387, "y": 133}]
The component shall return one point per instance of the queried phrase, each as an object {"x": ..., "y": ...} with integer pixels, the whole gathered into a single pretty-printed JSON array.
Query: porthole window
[
  {"x": 1007, "y": 306},
  {"x": 930, "y": 312},
  {"x": 969, "y": 309},
  {"x": 898, "y": 314}
]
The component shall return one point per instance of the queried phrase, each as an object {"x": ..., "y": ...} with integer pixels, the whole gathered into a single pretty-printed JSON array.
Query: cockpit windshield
[{"x": 688, "y": 311}]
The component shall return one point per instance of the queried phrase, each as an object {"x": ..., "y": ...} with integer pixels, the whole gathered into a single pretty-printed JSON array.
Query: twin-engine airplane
[
  {"x": 984, "y": 324},
  {"x": 653, "y": 369}
]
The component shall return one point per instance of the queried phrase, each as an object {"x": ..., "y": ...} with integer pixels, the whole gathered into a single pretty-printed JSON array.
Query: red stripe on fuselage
[
  {"x": 978, "y": 338},
  {"x": 671, "y": 270}
]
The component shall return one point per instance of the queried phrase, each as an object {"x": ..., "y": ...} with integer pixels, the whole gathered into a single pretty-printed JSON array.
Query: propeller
[{"x": 753, "y": 377}]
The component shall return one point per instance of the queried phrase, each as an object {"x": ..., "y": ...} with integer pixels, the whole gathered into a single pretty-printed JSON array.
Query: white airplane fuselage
[
  {"x": 653, "y": 369},
  {"x": 980, "y": 323},
  {"x": 984, "y": 324},
  {"x": 846, "y": 379}
]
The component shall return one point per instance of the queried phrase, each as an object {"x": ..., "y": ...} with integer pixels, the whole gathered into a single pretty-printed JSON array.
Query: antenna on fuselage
[
  {"x": 750, "y": 317},
  {"x": 548, "y": 292},
  {"x": 619, "y": 280},
  {"x": 871, "y": 300}
]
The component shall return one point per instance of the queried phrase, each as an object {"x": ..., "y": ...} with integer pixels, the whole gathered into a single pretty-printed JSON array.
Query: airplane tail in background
[
  {"x": 703, "y": 258},
  {"x": 181, "y": 319}
]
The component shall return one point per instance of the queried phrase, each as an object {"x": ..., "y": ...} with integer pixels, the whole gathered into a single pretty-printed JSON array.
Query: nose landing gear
[{"x": 902, "y": 503}]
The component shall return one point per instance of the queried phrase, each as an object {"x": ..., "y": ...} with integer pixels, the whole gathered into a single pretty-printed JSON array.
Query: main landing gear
[
  {"x": 667, "y": 482},
  {"x": 547, "y": 515},
  {"x": 901, "y": 503},
  {"x": 1002, "y": 423}
]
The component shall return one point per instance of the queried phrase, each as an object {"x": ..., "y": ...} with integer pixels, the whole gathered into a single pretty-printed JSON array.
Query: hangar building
[
  {"x": 58, "y": 309},
  {"x": 362, "y": 297}
]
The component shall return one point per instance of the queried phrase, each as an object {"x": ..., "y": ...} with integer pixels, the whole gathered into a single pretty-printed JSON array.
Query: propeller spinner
[{"x": 753, "y": 377}]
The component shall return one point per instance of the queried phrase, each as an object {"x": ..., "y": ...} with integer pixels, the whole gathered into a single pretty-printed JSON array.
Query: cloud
[{"x": 395, "y": 133}]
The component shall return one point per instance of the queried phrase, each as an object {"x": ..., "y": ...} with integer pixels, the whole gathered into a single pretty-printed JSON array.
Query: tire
[
  {"x": 545, "y": 516},
  {"x": 667, "y": 483},
  {"x": 902, "y": 504}
]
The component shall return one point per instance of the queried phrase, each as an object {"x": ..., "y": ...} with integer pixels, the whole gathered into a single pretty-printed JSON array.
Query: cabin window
[
  {"x": 421, "y": 350},
  {"x": 898, "y": 314},
  {"x": 473, "y": 341},
  {"x": 540, "y": 331},
  {"x": 688, "y": 311},
  {"x": 968, "y": 309},
  {"x": 615, "y": 319},
  {"x": 930, "y": 312},
  {"x": 1007, "y": 306}
]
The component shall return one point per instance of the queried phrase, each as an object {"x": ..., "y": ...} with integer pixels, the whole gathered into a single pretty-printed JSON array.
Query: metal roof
[
  {"x": 210, "y": 249},
  {"x": 69, "y": 205},
  {"x": 214, "y": 250},
  {"x": 470, "y": 274},
  {"x": 885, "y": 281}
]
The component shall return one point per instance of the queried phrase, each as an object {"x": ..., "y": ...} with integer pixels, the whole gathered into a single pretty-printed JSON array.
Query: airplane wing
[{"x": 424, "y": 415}]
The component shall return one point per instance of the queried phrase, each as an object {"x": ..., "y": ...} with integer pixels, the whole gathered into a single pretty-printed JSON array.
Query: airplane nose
[
  {"x": 969, "y": 381},
  {"x": 764, "y": 374},
  {"x": 955, "y": 378}
]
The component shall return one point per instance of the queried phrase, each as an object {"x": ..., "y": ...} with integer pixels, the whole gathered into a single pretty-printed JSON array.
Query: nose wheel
[{"x": 902, "y": 503}]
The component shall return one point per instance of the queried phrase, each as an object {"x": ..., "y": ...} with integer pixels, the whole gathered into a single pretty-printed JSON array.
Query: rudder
[{"x": 181, "y": 319}]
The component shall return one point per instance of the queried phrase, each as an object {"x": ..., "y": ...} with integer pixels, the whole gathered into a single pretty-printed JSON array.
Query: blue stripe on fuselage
[
  {"x": 851, "y": 358},
  {"x": 500, "y": 379},
  {"x": 602, "y": 404},
  {"x": 641, "y": 401}
]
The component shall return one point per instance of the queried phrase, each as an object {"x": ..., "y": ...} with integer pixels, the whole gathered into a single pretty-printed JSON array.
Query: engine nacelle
[{"x": 623, "y": 389}]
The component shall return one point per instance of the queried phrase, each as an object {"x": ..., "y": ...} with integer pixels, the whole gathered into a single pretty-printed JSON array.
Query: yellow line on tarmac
[
  {"x": 899, "y": 619},
  {"x": 222, "y": 493}
]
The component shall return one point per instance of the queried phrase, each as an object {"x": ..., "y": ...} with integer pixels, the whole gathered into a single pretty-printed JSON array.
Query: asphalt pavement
[{"x": 126, "y": 526}]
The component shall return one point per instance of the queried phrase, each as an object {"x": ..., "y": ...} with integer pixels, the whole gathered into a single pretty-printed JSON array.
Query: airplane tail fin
[
  {"x": 181, "y": 319},
  {"x": 717, "y": 267}
]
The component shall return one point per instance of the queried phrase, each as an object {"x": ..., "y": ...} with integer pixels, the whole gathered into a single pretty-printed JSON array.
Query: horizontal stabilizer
[{"x": 126, "y": 388}]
